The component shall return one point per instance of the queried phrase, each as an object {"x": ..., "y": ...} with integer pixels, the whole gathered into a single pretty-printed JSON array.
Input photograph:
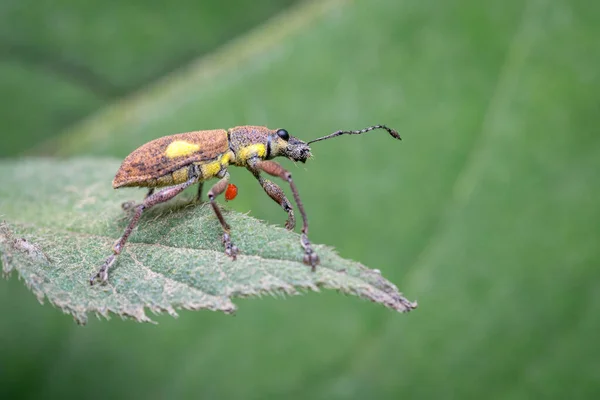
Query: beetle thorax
[{"x": 261, "y": 142}]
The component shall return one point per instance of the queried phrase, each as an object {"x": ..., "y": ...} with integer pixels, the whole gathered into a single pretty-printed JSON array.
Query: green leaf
[{"x": 62, "y": 218}]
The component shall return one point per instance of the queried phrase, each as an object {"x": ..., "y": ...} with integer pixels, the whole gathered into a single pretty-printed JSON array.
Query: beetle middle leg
[
  {"x": 230, "y": 249},
  {"x": 272, "y": 168},
  {"x": 150, "y": 201},
  {"x": 275, "y": 192}
]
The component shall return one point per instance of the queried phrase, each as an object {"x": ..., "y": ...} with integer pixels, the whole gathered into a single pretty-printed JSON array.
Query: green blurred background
[{"x": 487, "y": 213}]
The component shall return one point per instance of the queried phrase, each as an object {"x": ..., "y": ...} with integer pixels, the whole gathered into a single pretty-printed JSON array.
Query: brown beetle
[{"x": 176, "y": 162}]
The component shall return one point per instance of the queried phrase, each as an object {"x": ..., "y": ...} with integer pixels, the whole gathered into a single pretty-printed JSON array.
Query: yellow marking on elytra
[
  {"x": 181, "y": 148},
  {"x": 210, "y": 170},
  {"x": 181, "y": 175},
  {"x": 226, "y": 158},
  {"x": 253, "y": 150},
  {"x": 165, "y": 180}
]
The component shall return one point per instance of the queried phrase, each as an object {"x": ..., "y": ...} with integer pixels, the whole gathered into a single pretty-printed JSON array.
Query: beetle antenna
[{"x": 370, "y": 128}]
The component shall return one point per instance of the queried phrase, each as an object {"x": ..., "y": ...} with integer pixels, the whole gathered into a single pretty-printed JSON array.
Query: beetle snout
[
  {"x": 297, "y": 150},
  {"x": 304, "y": 154}
]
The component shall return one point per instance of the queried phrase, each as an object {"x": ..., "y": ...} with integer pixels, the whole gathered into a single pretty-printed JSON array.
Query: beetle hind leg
[
  {"x": 129, "y": 206},
  {"x": 151, "y": 200}
]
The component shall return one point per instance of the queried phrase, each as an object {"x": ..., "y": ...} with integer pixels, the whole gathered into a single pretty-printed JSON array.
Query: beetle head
[{"x": 283, "y": 144}]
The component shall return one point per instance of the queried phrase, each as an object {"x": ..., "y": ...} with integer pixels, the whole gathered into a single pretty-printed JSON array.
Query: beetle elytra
[{"x": 173, "y": 163}]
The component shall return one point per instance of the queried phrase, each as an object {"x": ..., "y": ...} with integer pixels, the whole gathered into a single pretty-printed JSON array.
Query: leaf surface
[{"x": 62, "y": 218}]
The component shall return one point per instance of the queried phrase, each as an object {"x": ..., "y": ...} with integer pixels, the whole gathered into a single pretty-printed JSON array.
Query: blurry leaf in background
[
  {"x": 486, "y": 213},
  {"x": 55, "y": 236},
  {"x": 60, "y": 60}
]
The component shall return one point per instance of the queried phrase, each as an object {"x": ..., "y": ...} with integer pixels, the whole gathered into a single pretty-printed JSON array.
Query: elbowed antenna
[{"x": 370, "y": 128}]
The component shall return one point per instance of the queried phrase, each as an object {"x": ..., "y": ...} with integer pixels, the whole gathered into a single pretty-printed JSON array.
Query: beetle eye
[{"x": 282, "y": 133}]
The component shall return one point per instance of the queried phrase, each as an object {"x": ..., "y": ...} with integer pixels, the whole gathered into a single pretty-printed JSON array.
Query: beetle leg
[
  {"x": 128, "y": 206},
  {"x": 230, "y": 249},
  {"x": 272, "y": 168},
  {"x": 275, "y": 192},
  {"x": 149, "y": 202},
  {"x": 199, "y": 193}
]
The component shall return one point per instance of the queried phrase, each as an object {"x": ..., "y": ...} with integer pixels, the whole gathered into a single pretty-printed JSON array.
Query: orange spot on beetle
[{"x": 231, "y": 192}]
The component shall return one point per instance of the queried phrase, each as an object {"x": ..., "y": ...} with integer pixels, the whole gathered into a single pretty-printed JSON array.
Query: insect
[
  {"x": 230, "y": 192},
  {"x": 173, "y": 163}
]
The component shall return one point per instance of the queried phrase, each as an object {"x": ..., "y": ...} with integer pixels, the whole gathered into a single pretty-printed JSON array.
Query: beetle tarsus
[
  {"x": 230, "y": 249},
  {"x": 310, "y": 257},
  {"x": 128, "y": 206},
  {"x": 102, "y": 274}
]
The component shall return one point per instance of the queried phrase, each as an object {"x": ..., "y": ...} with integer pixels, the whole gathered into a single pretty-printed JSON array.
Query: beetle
[{"x": 175, "y": 162}]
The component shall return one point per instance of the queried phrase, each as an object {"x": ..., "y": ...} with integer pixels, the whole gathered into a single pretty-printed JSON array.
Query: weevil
[{"x": 173, "y": 163}]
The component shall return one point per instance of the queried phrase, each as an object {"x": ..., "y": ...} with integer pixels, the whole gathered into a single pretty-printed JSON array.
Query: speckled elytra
[{"x": 176, "y": 162}]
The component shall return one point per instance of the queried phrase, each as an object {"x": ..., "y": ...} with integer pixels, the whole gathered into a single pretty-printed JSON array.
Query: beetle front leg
[
  {"x": 272, "y": 168},
  {"x": 230, "y": 249},
  {"x": 275, "y": 192}
]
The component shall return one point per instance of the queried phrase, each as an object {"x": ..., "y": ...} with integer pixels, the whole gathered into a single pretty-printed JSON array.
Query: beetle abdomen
[{"x": 165, "y": 161}]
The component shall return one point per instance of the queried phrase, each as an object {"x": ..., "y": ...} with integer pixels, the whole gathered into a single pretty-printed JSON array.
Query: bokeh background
[{"x": 488, "y": 213}]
